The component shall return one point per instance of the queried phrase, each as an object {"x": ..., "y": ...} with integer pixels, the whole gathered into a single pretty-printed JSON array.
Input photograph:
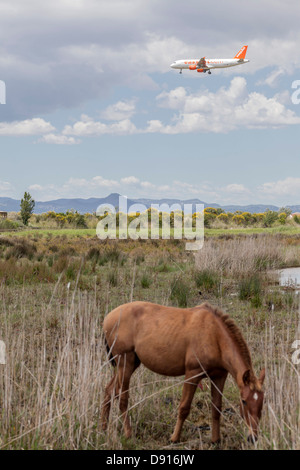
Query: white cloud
[
  {"x": 63, "y": 54},
  {"x": 88, "y": 127},
  {"x": 174, "y": 99},
  {"x": 236, "y": 188},
  {"x": 280, "y": 193},
  {"x": 99, "y": 181},
  {"x": 273, "y": 78},
  {"x": 5, "y": 186},
  {"x": 289, "y": 186},
  {"x": 225, "y": 110},
  {"x": 119, "y": 111},
  {"x": 35, "y": 126},
  {"x": 222, "y": 111},
  {"x": 130, "y": 180},
  {"x": 58, "y": 139},
  {"x": 35, "y": 187}
]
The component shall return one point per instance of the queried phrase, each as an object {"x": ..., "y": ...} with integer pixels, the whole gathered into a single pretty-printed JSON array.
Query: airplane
[{"x": 204, "y": 64}]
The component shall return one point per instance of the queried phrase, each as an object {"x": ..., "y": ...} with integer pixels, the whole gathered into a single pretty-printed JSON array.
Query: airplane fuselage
[
  {"x": 210, "y": 63},
  {"x": 205, "y": 65}
]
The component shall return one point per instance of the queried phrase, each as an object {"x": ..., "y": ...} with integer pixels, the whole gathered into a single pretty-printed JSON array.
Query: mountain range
[{"x": 90, "y": 205}]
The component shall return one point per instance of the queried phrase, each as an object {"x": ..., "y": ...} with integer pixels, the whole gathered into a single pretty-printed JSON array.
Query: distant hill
[{"x": 90, "y": 205}]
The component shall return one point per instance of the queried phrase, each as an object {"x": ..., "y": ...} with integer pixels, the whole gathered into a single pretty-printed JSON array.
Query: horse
[{"x": 199, "y": 342}]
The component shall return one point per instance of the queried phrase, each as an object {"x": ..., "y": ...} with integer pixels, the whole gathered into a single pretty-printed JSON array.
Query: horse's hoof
[
  {"x": 104, "y": 426},
  {"x": 128, "y": 434},
  {"x": 216, "y": 444}
]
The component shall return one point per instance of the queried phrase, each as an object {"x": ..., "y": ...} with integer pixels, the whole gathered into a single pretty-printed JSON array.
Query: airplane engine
[
  {"x": 200, "y": 70},
  {"x": 192, "y": 67}
]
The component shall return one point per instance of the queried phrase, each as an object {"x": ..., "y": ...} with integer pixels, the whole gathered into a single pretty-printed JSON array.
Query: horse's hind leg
[
  {"x": 118, "y": 388},
  {"x": 109, "y": 390},
  {"x": 128, "y": 363},
  {"x": 191, "y": 381}
]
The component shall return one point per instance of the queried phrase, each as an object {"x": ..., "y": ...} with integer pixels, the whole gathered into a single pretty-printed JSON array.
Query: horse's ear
[
  {"x": 246, "y": 377},
  {"x": 262, "y": 375}
]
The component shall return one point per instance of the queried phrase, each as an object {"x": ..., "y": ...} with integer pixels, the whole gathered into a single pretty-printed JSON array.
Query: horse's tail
[{"x": 109, "y": 353}]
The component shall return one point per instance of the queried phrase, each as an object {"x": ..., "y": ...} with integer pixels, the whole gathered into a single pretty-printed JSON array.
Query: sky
[{"x": 91, "y": 105}]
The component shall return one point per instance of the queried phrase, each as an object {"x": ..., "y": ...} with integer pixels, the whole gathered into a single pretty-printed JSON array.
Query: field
[{"x": 56, "y": 286}]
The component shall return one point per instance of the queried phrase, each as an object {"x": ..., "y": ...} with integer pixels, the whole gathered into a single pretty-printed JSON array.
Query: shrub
[
  {"x": 113, "y": 254},
  {"x": 80, "y": 221},
  {"x": 223, "y": 218},
  {"x": 239, "y": 219},
  {"x": 145, "y": 281},
  {"x": 6, "y": 242},
  {"x": 112, "y": 278},
  {"x": 8, "y": 224},
  {"x": 296, "y": 219},
  {"x": 209, "y": 217},
  {"x": 70, "y": 273},
  {"x": 180, "y": 292},
  {"x": 269, "y": 218},
  {"x": 21, "y": 249},
  {"x": 250, "y": 289},
  {"x": 207, "y": 279}
]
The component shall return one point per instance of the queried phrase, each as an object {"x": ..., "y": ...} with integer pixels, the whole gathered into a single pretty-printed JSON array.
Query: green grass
[
  {"x": 283, "y": 229},
  {"x": 209, "y": 232}
]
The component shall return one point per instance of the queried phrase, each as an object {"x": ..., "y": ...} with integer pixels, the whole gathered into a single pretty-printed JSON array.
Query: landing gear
[
  {"x": 209, "y": 72},
  {"x": 180, "y": 71}
]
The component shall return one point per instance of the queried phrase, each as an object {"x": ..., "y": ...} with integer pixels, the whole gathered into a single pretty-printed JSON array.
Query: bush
[
  {"x": 112, "y": 278},
  {"x": 180, "y": 292},
  {"x": 239, "y": 219},
  {"x": 145, "y": 281},
  {"x": 269, "y": 218},
  {"x": 22, "y": 249},
  {"x": 250, "y": 289},
  {"x": 8, "y": 224},
  {"x": 282, "y": 218},
  {"x": 80, "y": 221},
  {"x": 207, "y": 279},
  {"x": 223, "y": 218},
  {"x": 296, "y": 219}
]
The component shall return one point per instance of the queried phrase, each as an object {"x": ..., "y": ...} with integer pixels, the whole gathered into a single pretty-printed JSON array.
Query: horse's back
[{"x": 156, "y": 333}]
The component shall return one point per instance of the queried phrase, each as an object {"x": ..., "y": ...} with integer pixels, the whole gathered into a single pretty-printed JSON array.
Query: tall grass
[
  {"x": 52, "y": 386},
  {"x": 239, "y": 256}
]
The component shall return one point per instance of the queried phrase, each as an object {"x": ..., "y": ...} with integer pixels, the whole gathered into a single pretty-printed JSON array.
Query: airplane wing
[{"x": 202, "y": 63}]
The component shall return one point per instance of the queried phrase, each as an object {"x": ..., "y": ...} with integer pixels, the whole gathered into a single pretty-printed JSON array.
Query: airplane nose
[{"x": 173, "y": 65}]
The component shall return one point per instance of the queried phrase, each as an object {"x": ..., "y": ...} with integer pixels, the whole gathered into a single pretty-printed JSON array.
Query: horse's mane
[{"x": 234, "y": 332}]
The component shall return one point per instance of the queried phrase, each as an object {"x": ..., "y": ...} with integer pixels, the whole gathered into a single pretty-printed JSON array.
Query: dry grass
[
  {"x": 52, "y": 387},
  {"x": 243, "y": 255}
]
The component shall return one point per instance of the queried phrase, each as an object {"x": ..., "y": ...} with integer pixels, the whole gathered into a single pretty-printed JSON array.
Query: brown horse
[{"x": 196, "y": 342}]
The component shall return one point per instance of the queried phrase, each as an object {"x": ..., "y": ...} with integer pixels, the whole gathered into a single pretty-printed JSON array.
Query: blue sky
[{"x": 92, "y": 106}]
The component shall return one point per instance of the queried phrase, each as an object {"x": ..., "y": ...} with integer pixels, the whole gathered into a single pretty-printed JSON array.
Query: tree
[
  {"x": 269, "y": 218},
  {"x": 27, "y": 206}
]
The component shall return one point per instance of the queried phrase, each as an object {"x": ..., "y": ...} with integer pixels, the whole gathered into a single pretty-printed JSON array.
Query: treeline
[{"x": 213, "y": 218}]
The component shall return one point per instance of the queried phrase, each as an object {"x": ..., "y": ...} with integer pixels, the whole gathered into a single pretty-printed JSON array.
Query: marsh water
[{"x": 290, "y": 277}]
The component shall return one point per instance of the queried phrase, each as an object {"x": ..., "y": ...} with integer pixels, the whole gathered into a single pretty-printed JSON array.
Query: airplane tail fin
[{"x": 242, "y": 53}]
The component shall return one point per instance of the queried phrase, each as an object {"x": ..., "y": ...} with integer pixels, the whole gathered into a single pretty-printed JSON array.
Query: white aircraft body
[{"x": 204, "y": 64}]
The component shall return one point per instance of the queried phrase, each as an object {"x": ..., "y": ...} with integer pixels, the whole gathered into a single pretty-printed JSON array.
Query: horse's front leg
[
  {"x": 190, "y": 384},
  {"x": 217, "y": 386}
]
